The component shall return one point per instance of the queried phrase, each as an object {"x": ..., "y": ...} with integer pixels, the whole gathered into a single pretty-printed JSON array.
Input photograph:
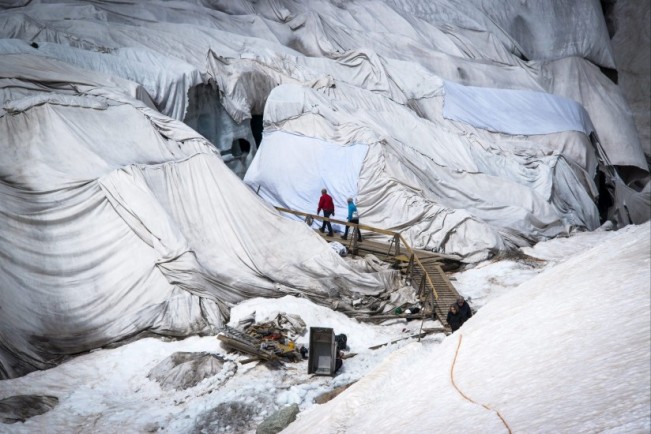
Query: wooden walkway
[
  {"x": 384, "y": 249},
  {"x": 439, "y": 302},
  {"x": 422, "y": 269},
  {"x": 435, "y": 291}
]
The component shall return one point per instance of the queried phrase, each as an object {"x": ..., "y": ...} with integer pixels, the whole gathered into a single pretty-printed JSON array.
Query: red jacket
[{"x": 326, "y": 204}]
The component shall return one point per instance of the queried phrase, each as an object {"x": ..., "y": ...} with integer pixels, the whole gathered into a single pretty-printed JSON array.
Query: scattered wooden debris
[
  {"x": 243, "y": 343},
  {"x": 422, "y": 334},
  {"x": 260, "y": 348}
]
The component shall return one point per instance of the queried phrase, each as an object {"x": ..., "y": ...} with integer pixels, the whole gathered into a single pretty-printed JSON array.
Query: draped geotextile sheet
[
  {"x": 507, "y": 55},
  {"x": 362, "y": 73},
  {"x": 165, "y": 81},
  {"x": 117, "y": 221},
  {"x": 290, "y": 171},
  {"x": 393, "y": 48},
  {"x": 446, "y": 185}
]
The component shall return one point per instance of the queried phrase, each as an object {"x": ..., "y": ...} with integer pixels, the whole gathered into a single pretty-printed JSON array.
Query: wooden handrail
[
  {"x": 436, "y": 295},
  {"x": 339, "y": 222},
  {"x": 422, "y": 267},
  {"x": 395, "y": 235}
]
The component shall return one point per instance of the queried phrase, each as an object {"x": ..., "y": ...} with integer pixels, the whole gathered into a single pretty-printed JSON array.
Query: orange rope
[{"x": 466, "y": 396}]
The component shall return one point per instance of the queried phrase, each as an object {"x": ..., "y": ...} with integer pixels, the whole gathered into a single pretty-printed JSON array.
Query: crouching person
[{"x": 455, "y": 318}]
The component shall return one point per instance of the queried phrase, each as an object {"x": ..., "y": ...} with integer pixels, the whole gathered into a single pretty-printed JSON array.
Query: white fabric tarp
[
  {"x": 514, "y": 111},
  {"x": 439, "y": 182},
  {"x": 167, "y": 82},
  {"x": 106, "y": 201},
  {"x": 314, "y": 164},
  {"x": 537, "y": 30},
  {"x": 118, "y": 221},
  {"x": 250, "y": 48}
]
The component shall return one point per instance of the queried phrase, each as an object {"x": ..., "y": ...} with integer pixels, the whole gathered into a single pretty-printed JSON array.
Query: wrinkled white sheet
[
  {"x": 250, "y": 48},
  {"x": 537, "y": 30},
  {"x": 514, "y": 111},
  {"x": 166, "y": 82},
  {"x": 119, "y": 221},
  {"x": 295, "y": 182},
  {"x": 444, "y": 184},
  {"x": 105, "y": 201}
]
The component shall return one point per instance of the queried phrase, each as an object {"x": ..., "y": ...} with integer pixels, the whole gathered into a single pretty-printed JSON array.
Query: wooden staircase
[
  {"x": 423, "y": 269},
  {"x": 435, "y": 290}
]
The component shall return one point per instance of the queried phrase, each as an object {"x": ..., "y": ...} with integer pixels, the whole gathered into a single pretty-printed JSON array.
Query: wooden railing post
[
  {"x": 410, "y": 267},
  {"x": 396, "y": 238},
  {"x": 421, "y": 287},
  {"x": 353, "y": 233}
]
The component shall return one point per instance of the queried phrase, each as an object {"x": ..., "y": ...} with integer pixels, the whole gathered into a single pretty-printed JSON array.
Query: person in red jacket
[{"x": 328, "y": 207}]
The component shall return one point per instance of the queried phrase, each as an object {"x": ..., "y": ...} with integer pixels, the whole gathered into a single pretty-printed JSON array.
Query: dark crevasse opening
[
  {"x": 256, "y": 128},
  {"x": 236, "y": 142}
]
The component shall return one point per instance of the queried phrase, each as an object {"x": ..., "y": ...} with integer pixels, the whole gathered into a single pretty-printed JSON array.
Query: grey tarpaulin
[
  {"x": 104, "y": 198},
  {"x": 117, "y": 220},
  {"x": 444, "y": 183}
]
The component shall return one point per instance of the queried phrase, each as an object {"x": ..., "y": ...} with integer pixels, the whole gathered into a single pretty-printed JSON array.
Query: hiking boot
[
  {"x": 344, "y": 238},
  {"x": 321, "y": 230}
]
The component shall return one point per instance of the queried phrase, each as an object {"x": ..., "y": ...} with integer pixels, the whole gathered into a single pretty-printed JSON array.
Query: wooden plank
[
  {"x": 422, "y": 334},
  {"x": 425, "y": 266},
  {"x": 339, "y": 222},
  {"x": 245, "y": 347},
  {"x": 385, "y": 317}
]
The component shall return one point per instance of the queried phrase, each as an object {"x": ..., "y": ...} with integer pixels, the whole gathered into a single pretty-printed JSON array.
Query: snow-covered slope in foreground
[{"x": 567, "y": 351}]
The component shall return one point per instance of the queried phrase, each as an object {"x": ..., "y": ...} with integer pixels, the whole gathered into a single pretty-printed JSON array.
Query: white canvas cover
[
  {"x": 118, "y": 221},
  {"x": 438, "y": 182},
  {"x": 248, "y": 49},
  {"x": 166, "y": 82},
  {"x": 77, "y": 154},
  {"x": 314, "y": 164},
  {"x": 514, "y": 111}
]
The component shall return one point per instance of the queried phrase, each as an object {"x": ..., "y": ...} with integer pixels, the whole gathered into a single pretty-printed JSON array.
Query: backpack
[{"x": 341, "y": 341}]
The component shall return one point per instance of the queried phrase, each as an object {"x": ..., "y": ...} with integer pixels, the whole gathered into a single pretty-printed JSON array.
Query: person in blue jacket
[{"x": 353, "y": 217}]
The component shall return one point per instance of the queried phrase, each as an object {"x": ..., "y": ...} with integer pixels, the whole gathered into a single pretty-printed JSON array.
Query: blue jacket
[{"x": 351, "y": 209}]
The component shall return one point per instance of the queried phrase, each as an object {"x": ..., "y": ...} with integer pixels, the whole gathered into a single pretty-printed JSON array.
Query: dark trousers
[
  {"x": 327, "y": 214},
  {"x": 359, "y": 234}
]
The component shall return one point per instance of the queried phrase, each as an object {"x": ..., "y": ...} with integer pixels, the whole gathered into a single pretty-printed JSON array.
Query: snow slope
[{"x": 565, "y": 351}]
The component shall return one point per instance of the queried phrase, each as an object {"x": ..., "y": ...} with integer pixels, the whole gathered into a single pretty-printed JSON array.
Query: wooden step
[{"x": 446, "y": 294}]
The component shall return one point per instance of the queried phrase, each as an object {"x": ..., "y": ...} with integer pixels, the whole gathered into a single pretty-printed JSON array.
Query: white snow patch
[{"x": 559, "y": 347}]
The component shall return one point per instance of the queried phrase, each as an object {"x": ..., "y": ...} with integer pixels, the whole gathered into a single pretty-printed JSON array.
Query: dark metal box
[{"x": 322, "y": 357}]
